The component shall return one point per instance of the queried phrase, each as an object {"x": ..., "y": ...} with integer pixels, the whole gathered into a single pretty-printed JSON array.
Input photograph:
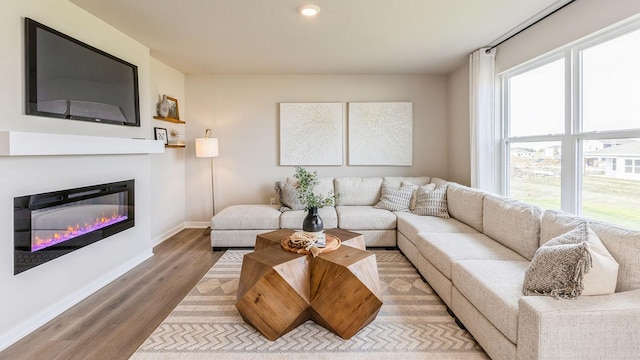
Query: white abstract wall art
[
  {"x": 311, "y": 134},
  {"x": 381, "y": 133}
]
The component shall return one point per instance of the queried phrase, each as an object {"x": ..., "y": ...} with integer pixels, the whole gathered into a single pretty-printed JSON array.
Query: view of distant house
[
  {"x": 621, "y": 161},
  {"x": 522, "y": 153}
]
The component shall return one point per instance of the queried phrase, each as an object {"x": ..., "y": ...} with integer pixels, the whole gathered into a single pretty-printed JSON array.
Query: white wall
[
  {"x": 243, "y": 112},
  {"x": 33, "y": 297},
  {"x": 577, "y": 20},
  {"x": 168, "y": 169},
  {"x": 459, "y": 129}
]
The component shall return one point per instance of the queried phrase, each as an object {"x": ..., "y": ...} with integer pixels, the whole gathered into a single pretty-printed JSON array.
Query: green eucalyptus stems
[{"x": 306, "y": 181}]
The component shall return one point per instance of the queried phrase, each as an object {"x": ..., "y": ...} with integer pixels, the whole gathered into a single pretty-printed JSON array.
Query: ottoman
[{"x": 238, "y": 225}]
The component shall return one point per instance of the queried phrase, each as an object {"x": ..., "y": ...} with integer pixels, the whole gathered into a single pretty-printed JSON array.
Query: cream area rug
[{"x": 412, "y": 324}]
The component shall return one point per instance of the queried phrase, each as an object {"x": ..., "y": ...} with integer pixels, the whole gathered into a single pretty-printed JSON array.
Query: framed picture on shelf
[
  {"x": 173, "y": 108},
  {"x": 161, "y": 134}
]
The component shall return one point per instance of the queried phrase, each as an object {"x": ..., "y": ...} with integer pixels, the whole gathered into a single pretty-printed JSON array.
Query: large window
[{"x": 571, "y": 124}]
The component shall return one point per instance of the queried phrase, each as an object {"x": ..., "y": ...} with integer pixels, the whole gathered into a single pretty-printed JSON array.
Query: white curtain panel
[{"x": 482, "y": 119}]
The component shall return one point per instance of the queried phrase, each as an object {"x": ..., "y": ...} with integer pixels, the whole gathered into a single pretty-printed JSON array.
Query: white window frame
[{"x": 572, "y": 139}]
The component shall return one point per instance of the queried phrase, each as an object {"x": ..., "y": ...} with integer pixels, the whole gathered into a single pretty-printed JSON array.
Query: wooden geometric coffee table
[{"x": 280, "y": 290}]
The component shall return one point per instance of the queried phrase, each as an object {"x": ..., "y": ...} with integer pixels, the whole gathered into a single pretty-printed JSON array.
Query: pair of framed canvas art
[{"x": 379, "y": 133}]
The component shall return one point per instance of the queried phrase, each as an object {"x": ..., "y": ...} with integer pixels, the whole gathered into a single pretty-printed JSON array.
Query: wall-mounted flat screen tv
[{"x": 66, "y": 78}]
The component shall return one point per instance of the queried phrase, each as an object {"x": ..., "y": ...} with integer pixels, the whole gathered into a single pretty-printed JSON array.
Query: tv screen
[{"x": 66, "y": 78}]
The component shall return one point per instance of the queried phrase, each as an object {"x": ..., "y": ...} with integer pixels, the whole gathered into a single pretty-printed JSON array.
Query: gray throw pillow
[
  {"x": 394, "y": 199},
  {"x": 288, "y": 196},
  {"x": 558, "y": 267},
  {"x": 432, "y": 202}
]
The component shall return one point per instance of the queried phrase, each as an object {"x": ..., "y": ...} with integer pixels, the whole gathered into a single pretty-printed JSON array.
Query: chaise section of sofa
[{"x": 238, "y": 225}]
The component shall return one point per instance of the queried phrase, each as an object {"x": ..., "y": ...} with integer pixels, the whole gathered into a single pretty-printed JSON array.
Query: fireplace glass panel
[
  {"x": 57, "y": 224},
  {"x": 50, "y": 225}
]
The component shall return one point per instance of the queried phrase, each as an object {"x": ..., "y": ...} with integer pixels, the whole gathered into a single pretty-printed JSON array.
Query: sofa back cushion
[
  {"x": 325, "y": 185},
  {"x": 513, "y": 223},
  {"x": 623, "y": 244},
  {"x": 396, "y": 181},
  {"x": 465, "y": 204},
  {"x": 438, "y": 181},
  {"x": 358, "y": 191}
]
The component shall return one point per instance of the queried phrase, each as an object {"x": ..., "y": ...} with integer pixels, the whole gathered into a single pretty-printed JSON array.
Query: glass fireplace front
[{"x": 53, "y": 224}]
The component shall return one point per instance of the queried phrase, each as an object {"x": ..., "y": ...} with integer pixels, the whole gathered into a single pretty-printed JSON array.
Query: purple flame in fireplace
[{"x": 48, "y": 238}]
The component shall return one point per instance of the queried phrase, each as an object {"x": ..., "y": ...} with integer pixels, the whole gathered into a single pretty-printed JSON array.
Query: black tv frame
[{"x": 31, "y": 86}]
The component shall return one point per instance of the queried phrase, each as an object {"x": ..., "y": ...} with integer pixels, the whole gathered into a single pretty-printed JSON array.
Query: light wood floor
[{"x": 113, "y": 322}]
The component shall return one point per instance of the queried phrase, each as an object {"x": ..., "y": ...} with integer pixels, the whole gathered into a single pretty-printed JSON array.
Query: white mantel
[{"x": 16, "y": 143}]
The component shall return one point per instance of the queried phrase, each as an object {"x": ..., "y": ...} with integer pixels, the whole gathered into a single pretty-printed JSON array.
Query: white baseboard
[
  {"x": 63, "y": 305},
  {"x": 167, "y": 234},
  {"x": 197, "y": 224}
]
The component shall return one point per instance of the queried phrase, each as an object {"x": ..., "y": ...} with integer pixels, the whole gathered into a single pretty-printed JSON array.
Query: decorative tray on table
[{"x": 332, "y": 243}]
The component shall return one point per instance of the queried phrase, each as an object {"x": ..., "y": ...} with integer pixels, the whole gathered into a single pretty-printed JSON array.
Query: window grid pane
[
  {"x": 610, "y": 78},
  {"x": 536, "y": 101},
  {"x": 534, "y": 173},
  {"x": 609, "y": 194}
]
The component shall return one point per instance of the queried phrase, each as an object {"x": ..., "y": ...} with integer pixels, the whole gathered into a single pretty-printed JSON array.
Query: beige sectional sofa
[{"x": 476, "y": 261}]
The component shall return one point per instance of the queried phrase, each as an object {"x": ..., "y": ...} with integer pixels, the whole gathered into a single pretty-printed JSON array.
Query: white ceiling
[{"x": 347, "y": 37}]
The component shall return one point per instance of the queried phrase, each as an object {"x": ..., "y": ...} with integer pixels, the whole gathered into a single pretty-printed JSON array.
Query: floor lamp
[{"x": 207, "y": 147}]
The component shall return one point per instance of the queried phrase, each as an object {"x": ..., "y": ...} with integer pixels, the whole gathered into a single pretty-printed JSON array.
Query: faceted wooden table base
[{"x": 280, "y": 290}]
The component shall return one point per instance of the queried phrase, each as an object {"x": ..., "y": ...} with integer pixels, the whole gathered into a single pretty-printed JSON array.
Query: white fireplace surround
[{"x": 16, "y": 143}]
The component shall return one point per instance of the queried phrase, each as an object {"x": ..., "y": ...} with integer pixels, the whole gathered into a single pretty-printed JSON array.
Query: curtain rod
[{"x": 530, "y": 25}]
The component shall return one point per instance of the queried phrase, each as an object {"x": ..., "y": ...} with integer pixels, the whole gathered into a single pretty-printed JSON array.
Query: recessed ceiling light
[{"x": 309, "y": 10}]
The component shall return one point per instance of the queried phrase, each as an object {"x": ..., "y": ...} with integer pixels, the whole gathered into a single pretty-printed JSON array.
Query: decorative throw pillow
[
  {"x": 572, "y": 264},
  {"x": 288, "y": 196},
  {"x": 603, "y": 277},
  {"x": 432, "y": 202},
  {"x": 414, "y": 187},
  {"x": 394, "y": 199}
]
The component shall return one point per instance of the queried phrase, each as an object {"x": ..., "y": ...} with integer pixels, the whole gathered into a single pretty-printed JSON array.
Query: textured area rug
[{"x": 412, "y": 324}]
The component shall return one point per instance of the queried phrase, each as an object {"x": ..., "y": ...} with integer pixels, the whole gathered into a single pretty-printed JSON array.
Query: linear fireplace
[{"x": 53, "y": 224}]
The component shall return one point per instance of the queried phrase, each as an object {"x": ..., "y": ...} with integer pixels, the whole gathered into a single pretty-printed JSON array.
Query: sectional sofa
[{"x": 476, "y": 259}]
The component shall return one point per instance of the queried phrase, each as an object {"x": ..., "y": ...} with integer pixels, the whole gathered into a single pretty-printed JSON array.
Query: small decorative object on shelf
[
  {"x": 161, "y": 134},
  {"x": 312, "y": 223},
  {"x": 167, "y": 110},
  {"x": 173, "y": 108},
  {"x": 163, "y": 107},
  {"x": 175, "y": 137}
]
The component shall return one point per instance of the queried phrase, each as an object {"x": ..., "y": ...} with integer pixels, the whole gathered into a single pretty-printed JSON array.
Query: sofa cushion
[
  {"x": 411, "y": 224},
  {"x": 359, "y": 191},
  {"x": 555, "y": 223},
  {"x": 432, "y": 202},
  {"x": 397, "y": 181},
  {"x": 465, "y": 204},
  {"x": 287, "y": 196},
  {"x": 513, "y": 223},
  {"x": 294, "y": 219},
  {"x": 438, "y": 181},
  {"x": 623, "y": 244},
  {"x": 394, "y": 198},
  {"x": 247, "y": 217},
  {"x": 443, "y": 249},
  {"x": 365, "y": 218},
  {"x": 494, "y": 288}
]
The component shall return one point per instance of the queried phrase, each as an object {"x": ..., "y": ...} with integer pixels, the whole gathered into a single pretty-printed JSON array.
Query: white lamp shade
[{"x": 207, "y": 147}]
